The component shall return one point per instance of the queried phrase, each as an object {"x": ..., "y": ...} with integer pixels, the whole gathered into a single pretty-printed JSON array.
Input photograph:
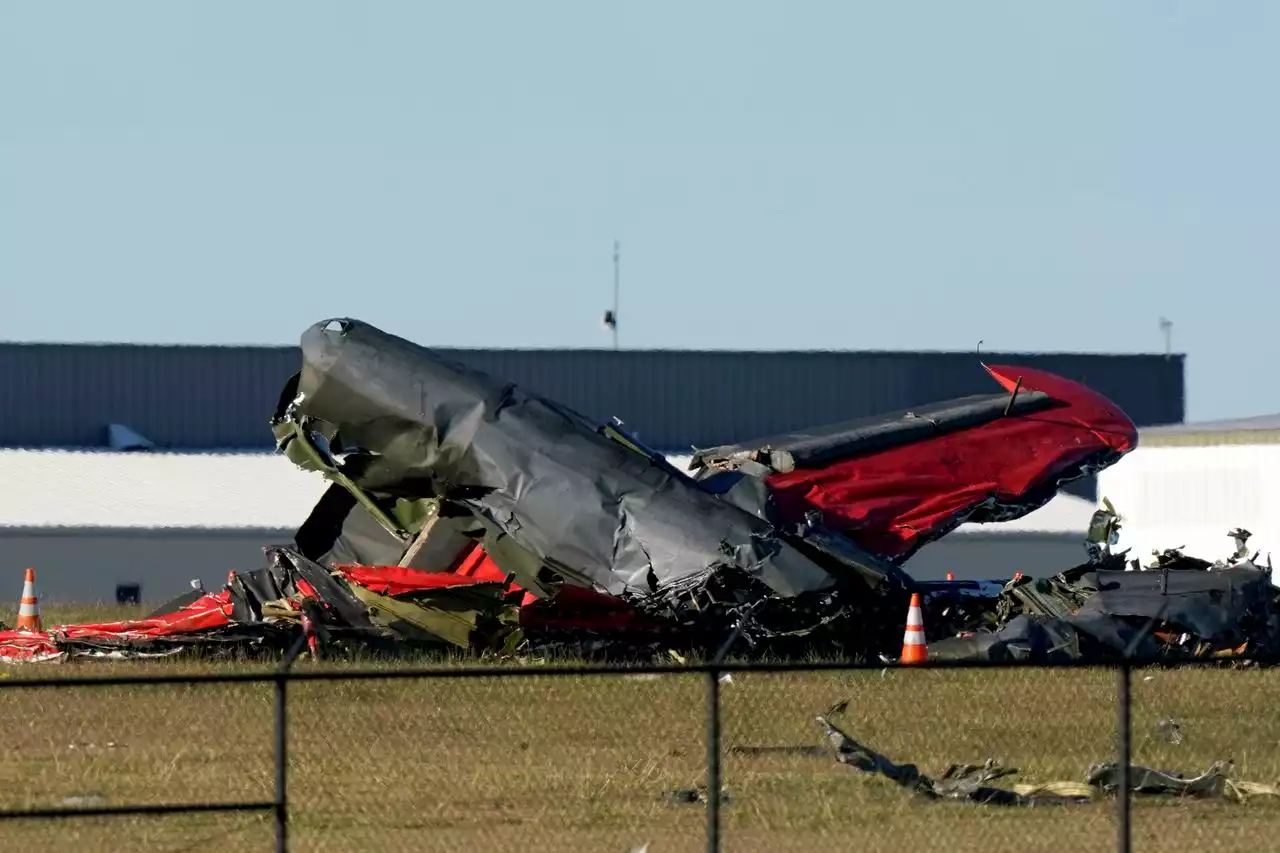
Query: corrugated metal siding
[
  {"x": 673, "y": 399},
  {"x": 193, "y": 397},
  {"x": 213, "y": 397}
]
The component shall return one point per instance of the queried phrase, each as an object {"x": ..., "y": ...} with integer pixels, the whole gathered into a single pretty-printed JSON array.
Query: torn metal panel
[
  {"x": 1223, "y": 607},
  {"x": 1218, "y": 782},
  {"x": 1104, "y": 532},
  {"x": 588, "y": 508},
  {"x": 960, "y": 782},
  {"x": 971, "y": 782},
  {"x": 320, "y": 584},
  {"x": 452, "y": 615},
  {"x": 1054, "y": 597},
  {"x": 1024, "y": 638}
]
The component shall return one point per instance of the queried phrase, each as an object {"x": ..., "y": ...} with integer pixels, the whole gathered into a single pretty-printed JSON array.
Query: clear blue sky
[{"x": 781, "y": 175}]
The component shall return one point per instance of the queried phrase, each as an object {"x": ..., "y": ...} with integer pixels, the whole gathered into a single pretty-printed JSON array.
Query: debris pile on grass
[
  {"x": 464, "y": 512},
  {"x": 1178, "y": 607}
]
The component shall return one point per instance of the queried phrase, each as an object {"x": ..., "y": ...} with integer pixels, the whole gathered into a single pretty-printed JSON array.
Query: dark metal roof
[
  {"x": 1261, "y": 429},
  {"x": 1254, "y": 424},
  {"x": 204, "y": 397}
]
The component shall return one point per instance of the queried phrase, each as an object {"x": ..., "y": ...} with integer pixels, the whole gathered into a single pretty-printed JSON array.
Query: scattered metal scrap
[
  {"x": 1217, "y": 782},
  {"x": 1169, "y": 729},
  {"x": 960, "y": 782},
  {"x": 971, "y": 782},
  {"x": 693, "y": 796}
]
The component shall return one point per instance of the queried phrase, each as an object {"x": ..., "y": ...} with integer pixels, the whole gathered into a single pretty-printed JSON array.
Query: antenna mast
[
  {"x": 611, "y": 317},
  {"x": 617, "y": 286}
]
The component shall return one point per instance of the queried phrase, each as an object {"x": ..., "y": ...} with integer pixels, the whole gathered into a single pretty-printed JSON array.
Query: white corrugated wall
[{"x": 1192, "y": 496}]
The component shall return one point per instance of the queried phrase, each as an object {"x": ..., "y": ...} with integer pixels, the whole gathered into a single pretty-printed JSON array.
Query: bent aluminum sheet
[{"x": 527, "y": 467}]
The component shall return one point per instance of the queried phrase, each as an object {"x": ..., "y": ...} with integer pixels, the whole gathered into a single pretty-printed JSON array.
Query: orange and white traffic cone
[
  {"x": 914, "y": 649},
  {"x": 29, "y": 606}
]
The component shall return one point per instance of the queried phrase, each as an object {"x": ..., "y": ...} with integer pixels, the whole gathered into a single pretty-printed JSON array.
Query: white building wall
[
  {"x": 69, "y": 488},
  {"x": 1191, "y": 497}
]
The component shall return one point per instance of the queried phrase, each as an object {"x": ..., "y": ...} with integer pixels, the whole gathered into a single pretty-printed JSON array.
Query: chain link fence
[
  {"x": 586, "y": 759},
  {"x": 791, "y": 795},
  {"x": 1189, "y": 719},
  {"x": 160, "y": 749}
]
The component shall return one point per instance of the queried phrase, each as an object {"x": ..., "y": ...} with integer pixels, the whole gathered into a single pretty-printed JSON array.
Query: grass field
[{"x": 558, "y": 764}]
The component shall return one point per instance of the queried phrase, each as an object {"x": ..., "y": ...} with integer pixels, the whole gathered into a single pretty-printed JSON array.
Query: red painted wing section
[
  {"x": 893, "y": 501},
  {"x": 210, "y": 611}
]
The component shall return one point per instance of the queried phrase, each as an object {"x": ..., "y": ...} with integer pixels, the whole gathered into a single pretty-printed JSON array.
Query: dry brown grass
[{"x": 556, "y": 764}]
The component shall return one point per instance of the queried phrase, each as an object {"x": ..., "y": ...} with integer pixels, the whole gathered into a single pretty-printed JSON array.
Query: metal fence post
[
  {"x": 713, "y": 760},
  {"x": 282, "y": 762},
  {"x": 1124, "y": 724},
  {"x": 282, "y": 744}
]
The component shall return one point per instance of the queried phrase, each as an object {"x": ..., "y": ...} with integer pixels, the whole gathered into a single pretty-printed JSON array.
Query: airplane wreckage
[{"x": 466, "y": 512}]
